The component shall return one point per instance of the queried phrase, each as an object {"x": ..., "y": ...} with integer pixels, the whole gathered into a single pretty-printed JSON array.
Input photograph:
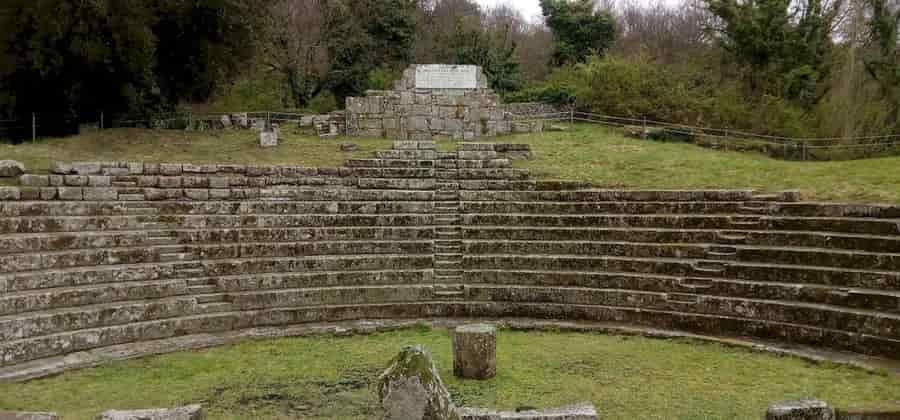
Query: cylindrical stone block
[{"x": 475, "y": 351}]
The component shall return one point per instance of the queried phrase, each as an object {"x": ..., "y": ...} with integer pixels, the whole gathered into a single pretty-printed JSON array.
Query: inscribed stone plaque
[{"x": 443, "y": 76}]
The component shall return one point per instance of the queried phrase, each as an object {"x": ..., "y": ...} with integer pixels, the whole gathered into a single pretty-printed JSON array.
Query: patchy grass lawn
[
  {"x": 143, "y": 145},
  {"x": 584, "y": 153},
  {"x": 331, "y": 377}
]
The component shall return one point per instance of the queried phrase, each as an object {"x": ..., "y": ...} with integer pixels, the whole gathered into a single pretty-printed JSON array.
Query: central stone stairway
[{"x": 448, "y": 245}]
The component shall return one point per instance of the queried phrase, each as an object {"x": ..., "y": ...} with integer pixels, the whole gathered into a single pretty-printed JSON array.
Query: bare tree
[{"x": 294, "y": 47}]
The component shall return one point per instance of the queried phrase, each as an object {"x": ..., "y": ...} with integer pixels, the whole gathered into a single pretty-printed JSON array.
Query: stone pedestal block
[
  {"x": 475, "y": 351},
  {"x": 800, "y": 410},
  {"x": 268, "y": 138}
]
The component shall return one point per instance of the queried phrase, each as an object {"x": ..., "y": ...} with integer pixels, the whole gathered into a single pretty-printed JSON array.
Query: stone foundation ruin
[
  {"x": 111, "y": 260},
  {"x": 433, "y": 102}
]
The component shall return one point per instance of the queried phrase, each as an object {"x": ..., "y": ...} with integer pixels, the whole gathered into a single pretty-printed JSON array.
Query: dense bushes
[{"x": 639, "y": 88}]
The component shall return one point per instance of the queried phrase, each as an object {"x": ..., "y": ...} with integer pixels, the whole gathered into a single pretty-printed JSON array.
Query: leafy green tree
[
  {"x": 579, "y": 29},
  {"x": 66, "y": 57},
  {"x": 364, "y": 35},
  {"x": 784, "y": 44},
  {"x": 72, "y": 59},
  {"x": 493, "y": 52}
]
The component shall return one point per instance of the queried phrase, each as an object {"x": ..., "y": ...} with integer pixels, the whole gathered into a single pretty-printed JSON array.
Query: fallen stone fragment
[
  {"x": 190, "y": 412},
  {"x": 583, "y": 411},
  {"x": 800, "y": 410},
  {"x": 11, "y": 169},
  {"x": 411, "y": 388},
  {"x": 22, "y": 415},
  {"x": 349, "y": 147}
]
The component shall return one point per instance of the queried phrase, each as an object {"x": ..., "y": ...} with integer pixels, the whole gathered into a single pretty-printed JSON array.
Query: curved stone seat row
[
  {"x": 20, "y": 351},
  {"x": 173, "y": 250}
]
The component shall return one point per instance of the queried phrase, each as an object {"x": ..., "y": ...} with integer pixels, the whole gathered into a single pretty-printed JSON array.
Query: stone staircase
[{"x": 448, "y": 246}]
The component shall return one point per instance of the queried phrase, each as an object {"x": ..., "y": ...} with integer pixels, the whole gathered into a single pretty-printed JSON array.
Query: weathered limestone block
[
  {"x": 475, "y": 351},
  {"x": 584, "y": 411},
  {"x": 800, "y": 410},
  {"x": 21, "y": 415},
  {"x": 191, "y": 412},
  {"x": 11, "y": 169},
  {"x": 411, "y": 388}
]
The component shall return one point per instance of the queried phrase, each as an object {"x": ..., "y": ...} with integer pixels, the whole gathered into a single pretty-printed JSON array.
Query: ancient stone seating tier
[{"x": 109, "y": 254}]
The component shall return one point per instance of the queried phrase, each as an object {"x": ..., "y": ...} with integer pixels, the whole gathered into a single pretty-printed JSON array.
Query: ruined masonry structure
[
  {"x": 112, "y": 260},
  {"x": 433, "y": 102}
]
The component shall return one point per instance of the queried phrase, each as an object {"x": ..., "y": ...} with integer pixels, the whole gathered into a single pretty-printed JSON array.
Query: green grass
[
  {"x": 331, "y": 377},
  {"x": 143, "y": 145},
  {"x": 603, "y": 156},
  {"x": 584, "y": 153}
]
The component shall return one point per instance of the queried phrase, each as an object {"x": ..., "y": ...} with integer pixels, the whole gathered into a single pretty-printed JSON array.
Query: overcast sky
[{"x": 532, "y": 10}]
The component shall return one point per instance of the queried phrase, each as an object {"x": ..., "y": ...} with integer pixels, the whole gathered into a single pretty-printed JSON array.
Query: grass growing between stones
[
  {"x": 331, "y": 377},
  {"x": 583, "y": 153}
]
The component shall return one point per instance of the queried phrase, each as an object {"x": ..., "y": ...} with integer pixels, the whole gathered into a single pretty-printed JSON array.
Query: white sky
[{"x": 531, "y": 9}]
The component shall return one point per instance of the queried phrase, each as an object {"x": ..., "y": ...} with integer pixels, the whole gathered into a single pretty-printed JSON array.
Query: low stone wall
[{"x": 98, "y": 255}]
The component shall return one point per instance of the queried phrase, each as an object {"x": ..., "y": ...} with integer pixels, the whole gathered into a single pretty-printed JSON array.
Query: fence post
[
  {"x": 572, "y": 116},
  {"x": 101, "y": 120},
  {"x": 33, "y": 127}
]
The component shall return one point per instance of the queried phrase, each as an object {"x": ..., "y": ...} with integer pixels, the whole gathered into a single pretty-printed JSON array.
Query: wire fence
[{"x": 789, "y": 148}]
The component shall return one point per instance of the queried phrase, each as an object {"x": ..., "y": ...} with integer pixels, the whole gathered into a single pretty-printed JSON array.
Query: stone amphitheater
[{"x": 105, "y": 261}]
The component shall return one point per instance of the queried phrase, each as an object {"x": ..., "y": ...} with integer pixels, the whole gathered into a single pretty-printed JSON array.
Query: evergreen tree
[{"x": 579, "y": 30}]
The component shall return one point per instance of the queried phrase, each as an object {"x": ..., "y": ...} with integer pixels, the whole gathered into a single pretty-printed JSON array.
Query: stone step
[
  {"x": 708, "y": 267},
  {"x": 414, "y": 145},
  {"x": 207, "y": 289},
  {"x": 745, "y": 220},
  {"x": 682, "y": 298},
  {"x": 440, "y": 273},
  {"x": 447, "y": 164},
  {"x": 448, "y": 249},
  {"x": 215, "y": 307},
  {"x": 389, "y": 163},
  {"x": 193, "y": 272},
  {"x": 154, "y": 225},
  {"x": 446, "y": 210},
  {"x": 407, "y": 154},
  {"x": 722, "y": 251},
  {"x": 447, "y": 156},
  {"x": 131, "y": 197},
  {"x": 177, "y": 256},
  {"x": 124, "y": 184},
  {"x": 161, "y": 241},
  {"x": 212, "y": 298},
  {"x": 447, "y": 265},
  {"x": 477, "y": 155},
  {"x": 476, "y": 147},
  {"x": 141, "y": 211},
  {"x": 200, "y": 282},
  {"x": 451, "y": 243},
  {"x": 446, "y": 174}
]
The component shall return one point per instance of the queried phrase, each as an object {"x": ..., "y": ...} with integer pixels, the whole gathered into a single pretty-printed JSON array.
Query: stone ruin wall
[
  {"x": 99, "y": 258},
  {"x": 410, "y": 113}
]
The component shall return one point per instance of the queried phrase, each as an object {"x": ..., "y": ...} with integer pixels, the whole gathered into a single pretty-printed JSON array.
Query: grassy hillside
[{"x": 585, "y": 153}]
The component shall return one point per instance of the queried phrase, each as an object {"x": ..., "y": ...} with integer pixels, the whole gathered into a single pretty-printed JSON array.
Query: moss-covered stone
[{"x": 411, "y": 388}]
